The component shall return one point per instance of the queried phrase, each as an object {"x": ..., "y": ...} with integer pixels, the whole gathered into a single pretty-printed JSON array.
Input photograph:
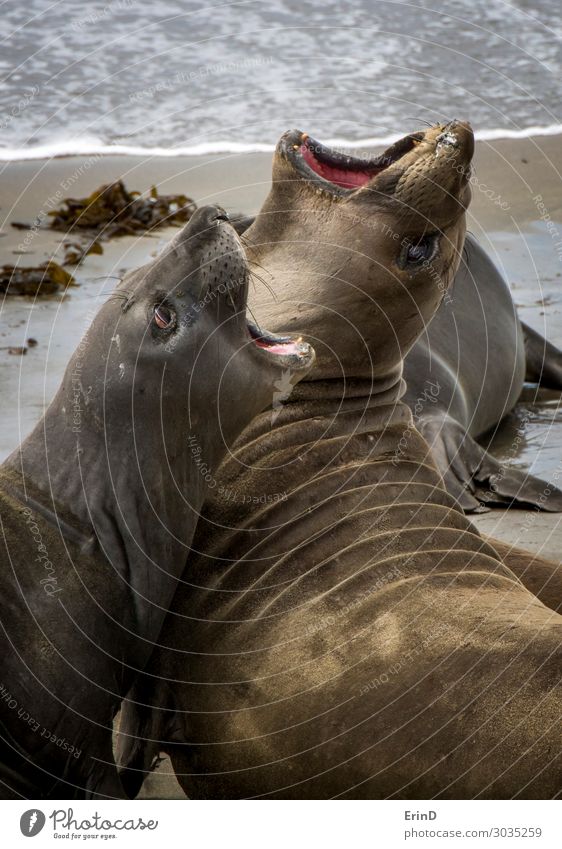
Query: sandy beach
[{"x": 516, "y": 214}]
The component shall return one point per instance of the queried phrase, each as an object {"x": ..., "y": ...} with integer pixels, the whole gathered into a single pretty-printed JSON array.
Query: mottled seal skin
[
  {"x": 358, "y": 638},
  {"x": 99, "y": 504},
  {"x": 467, "y": 369}
]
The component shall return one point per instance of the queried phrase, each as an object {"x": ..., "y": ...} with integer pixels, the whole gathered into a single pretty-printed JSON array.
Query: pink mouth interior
[
  {"x": 345, "y": 179},
  {"x": 284, "y": 349},
  {"x": 279, "y": 345}
]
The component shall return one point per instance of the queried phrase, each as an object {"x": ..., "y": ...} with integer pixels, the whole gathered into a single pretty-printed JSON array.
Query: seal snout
[
  {"x": 456, "y": 135},
  {"x": 431, "y": 179},
  {"x": 218, "y": 255},
  {"x": 204, "y": 221},
  {"x": 222, "y": 273}
]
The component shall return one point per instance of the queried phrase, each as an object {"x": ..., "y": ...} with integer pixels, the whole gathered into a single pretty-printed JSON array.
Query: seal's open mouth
[
  {"x": 338, "y": 170},
  {"x": 281, "y": 346}
]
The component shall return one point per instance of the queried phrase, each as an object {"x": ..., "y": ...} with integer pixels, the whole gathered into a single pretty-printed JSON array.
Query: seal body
[
  {"x": 60, "y": 683},
  {"x": 473, "y": 348},
  {"x": 98, "y": 506},
  {"x": 466, "y": 372},
  {"x": 356, "y": 637}
]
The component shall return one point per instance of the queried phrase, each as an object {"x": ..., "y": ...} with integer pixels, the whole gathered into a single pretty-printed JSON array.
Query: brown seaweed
[
  {"x": 46, "y": 279},
  {"x": 114, "y": 211},
  {"x": 76, "y": 252}
]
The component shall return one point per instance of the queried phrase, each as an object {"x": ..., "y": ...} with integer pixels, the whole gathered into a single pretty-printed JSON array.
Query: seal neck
[
  {"x": 370, "y": 393},
  {"x": 131, "y": 503},
  {"x": 328, "y": 408},
  {"x": 333, "y": 294}
]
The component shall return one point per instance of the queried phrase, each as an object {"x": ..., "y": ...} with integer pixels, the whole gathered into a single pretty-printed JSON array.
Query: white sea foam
[{"x": 92, "y": 146}]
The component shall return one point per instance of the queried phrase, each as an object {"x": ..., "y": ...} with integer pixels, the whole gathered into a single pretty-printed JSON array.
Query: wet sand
[
  {"x": 515, "y": 183},
  {"x": 516, "y": 214}
]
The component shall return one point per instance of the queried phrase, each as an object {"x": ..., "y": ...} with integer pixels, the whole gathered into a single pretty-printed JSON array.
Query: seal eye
[
  {"x": 419, "y": 251},
  {"x": 164, "y": 317}
]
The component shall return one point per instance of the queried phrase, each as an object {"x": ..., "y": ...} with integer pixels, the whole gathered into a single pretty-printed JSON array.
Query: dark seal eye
[
  {"x": 418, "y": 251},
  {"x": 164, "y": 317}
]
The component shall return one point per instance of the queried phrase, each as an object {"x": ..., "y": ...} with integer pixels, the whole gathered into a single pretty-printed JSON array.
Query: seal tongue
[{"x": 339, "y": 176}]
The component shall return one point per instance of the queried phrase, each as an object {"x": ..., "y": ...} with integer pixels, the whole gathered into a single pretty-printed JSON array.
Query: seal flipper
[
  {"x": 476, "y": 479},
  {"x": 543, "y": 360},
  {"x": 142, "y": 728}
]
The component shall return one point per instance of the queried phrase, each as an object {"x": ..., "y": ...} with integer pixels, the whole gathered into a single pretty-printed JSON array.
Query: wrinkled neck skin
[
  {"x": 369, "y": 405},
  {"x": 133, "y": 495}
]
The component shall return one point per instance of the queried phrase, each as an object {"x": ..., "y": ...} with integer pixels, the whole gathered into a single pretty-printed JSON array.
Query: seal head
[
  {"x": 391, "y": 230},
  {"x": 177, "y": 326}
]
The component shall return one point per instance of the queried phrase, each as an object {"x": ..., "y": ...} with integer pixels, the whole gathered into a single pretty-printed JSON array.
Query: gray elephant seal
[
  {"x": 98, "y": 506},
  {"x": 357, "y": 638},
  {"x": 467, "y": 369},
  {"x": 463, "y": 376}
]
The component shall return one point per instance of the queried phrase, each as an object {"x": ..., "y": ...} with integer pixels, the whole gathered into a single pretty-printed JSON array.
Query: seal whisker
[
  {"x": 267, "y": 285},
  {"x": 231, "y": 300},
  {"x": 249, "y": 309},
  {"x": 254, "y": 262},
  {"x": 107, "y": 277},
  {"x": 119, "y": 296}
]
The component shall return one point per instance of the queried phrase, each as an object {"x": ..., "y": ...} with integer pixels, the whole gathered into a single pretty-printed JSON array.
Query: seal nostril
[{"x": 447, "y": 138}]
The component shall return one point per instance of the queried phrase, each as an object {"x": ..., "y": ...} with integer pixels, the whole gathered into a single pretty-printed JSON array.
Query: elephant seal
[
  {"x": 467, "y": 369},
  {"x": 357, "y": 638},
  {"x": 98, "y": 505},
  {"x": 466, "y": 373}
]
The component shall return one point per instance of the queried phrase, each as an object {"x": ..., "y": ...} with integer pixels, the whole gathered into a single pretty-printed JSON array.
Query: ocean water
[{"x": 194, "y": 76}]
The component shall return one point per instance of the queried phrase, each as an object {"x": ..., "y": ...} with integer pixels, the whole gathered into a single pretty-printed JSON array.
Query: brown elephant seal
[
  {"x": 467, "y": 369},
  {"x": 99, "y": 504},
  {"x": 356, "y": 638}
]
